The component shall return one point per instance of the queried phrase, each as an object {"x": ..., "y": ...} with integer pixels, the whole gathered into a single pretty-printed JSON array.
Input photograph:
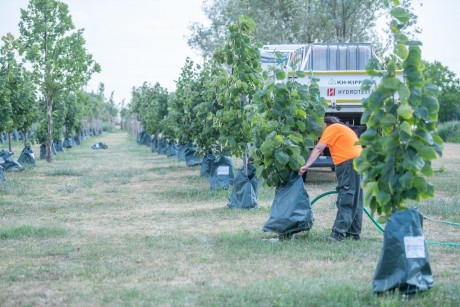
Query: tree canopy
[
  {"x": 449, "y": 90},
  {"x": 56, "y": 53},
  {"x": 289, "y": 21}
]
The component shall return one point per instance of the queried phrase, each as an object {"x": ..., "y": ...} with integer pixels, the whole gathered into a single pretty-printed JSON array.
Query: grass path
[{"x": 125, "y": 226}]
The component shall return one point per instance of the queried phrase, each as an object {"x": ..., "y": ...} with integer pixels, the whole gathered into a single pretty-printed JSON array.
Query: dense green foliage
[
  {"x": 18, "y": 102},
  {"x": 242, "y": 58},
  {"x": 56, "y": 54},
  {"x": 449, "y": 90},
  {"x": 288, "y": 120},
  {"x": 290, "y": 21},
  {"x": 150, "y": 103},
  {"x": 400, "y": 141},
  {"x": 212, "y": 79},
  {"x": 187, "y": 96}
]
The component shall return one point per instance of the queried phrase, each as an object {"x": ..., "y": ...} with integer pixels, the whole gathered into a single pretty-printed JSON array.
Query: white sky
[{"x": 145, "y": 40}]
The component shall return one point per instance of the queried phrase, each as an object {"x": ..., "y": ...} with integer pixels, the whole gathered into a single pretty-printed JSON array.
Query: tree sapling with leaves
[
  {"x": 399, "y": 144},
  {"x": 56, "y": 53}
]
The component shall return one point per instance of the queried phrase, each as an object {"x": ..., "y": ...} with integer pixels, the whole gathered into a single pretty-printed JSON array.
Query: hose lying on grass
[{"x": 382, "y": 229}]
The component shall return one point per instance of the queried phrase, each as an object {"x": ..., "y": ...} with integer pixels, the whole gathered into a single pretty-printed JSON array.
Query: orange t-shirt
[{"x": 341, "y": 142}]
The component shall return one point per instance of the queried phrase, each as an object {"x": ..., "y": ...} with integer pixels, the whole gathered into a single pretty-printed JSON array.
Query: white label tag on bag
[
  {"x": 223, "y": 170},
  {"x": 415, "y": 247}
]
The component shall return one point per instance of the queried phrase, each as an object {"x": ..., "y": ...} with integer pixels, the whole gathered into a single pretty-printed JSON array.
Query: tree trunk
[
  {"x": 245, "y": 162},
  {"x": 9, "y": 142},
  {"x": 49, "y": 142}
]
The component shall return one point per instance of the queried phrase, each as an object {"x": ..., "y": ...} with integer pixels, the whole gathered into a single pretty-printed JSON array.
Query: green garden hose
[{"x": 382, "y": 229}]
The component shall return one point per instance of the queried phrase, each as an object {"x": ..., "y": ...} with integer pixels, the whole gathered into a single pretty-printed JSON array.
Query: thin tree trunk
[
  {"x": 49, "y": 142},
  {"x": 245, "y": 162},
  {"x": 9, "y": 142}
]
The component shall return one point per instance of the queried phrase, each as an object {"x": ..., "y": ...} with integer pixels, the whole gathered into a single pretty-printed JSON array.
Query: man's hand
[
  {"x": 317, "y": 150},
  {"x": 302, "y": 170}
]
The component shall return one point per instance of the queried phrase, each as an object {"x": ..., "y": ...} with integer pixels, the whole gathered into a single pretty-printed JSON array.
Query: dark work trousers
[{"x": 349, "y": 217}]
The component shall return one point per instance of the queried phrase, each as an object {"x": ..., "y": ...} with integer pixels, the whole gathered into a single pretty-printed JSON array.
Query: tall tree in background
[
  {"x": 295, "y": 21},
  {"x": 56, "y": 52},
  {"x": 449, "y": 90},
  {"x": 289, "y": 21}
]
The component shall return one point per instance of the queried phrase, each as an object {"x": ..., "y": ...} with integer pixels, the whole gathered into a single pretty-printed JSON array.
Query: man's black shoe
[{"x": 335, "y": 237}]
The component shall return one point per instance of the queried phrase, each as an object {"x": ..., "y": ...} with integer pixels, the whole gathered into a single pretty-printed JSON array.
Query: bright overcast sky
[{"x": 145, "y": 40}]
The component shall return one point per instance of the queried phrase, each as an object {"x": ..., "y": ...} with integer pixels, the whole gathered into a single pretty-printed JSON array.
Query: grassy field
[{"x": 125, "y": 226}]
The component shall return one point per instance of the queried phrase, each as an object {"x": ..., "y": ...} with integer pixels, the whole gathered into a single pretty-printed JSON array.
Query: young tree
[
  {"x": 212, "y": 81},
  {"x": 56, "y": 53},
  {"x": 184, "y": 102},
  {"x": 288, "y": 121},
  {"x": 17, "y": 91},
  {"x": 8, "y": 84},
  {"x": 400, "y": 141},
  {"x": 242, "y": 58}
]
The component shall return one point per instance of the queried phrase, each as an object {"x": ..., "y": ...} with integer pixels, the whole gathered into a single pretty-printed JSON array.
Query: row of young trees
[
  {"x": 42, "y": 74},
  {"x": 229, "y": 105}
]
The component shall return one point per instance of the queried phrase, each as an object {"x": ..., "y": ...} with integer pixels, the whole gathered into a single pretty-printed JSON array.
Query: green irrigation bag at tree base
[
  {"x": 100, "y": 145},
  {"x": 181, "y": 152},
  {"x": 27, "y": 156},
  {"x": 58, "y": 145},
  {"x": 68, "y": 142},
  {"x": 222, "y": 173},
  {"x": 403, "y": 263},
  {"x": 191, "y": 158},
  {"x": 291, "y": 211},
  {"x": 8, "y": 163},
  {"x": 154, "y": 145},
  {"x": 162, "y": 146},
  {"x": 171, "y": 150},
  {"x": 245, "y": 190},
  {"x": 206, "y": 164}
]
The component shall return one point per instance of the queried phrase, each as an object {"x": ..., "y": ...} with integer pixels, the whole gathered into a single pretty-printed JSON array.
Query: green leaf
[
  {"x": 382, "y": 219},
  {"x": 414, "y": 43},
  {"x": 369, "y": 135},
  {"x": 268, "y": 147},
  {"x": 388, "y": 119},
  {"x": 300, "y": 74},
  {"x": 420, "y": 184},
  {"x": 401, "y": 50},
  {"x": 427, "y": 152},
  {"x": 406, "y": 180},
  {"x": 383, "y": 197},
  {"x": 367, "y": 84},
  {"x": 405, "y": 111},
  {"x": 391, "y": 83},
  {"x": 401, "y": 14},
  {"x": 278, "y": 138},
  {"x": 282, "y": 157},
  {"x": 280, "y": 74},
  {"x": 295, "y": 138}
]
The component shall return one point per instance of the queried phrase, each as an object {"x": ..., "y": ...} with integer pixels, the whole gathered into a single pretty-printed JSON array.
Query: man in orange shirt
[{"x": 341, "y": 142}]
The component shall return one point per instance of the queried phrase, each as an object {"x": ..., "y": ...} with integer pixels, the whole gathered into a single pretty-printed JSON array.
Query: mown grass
[{"x": 125, "y": 226}]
